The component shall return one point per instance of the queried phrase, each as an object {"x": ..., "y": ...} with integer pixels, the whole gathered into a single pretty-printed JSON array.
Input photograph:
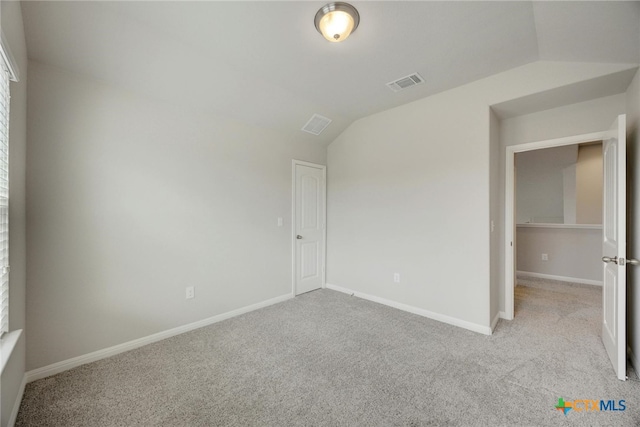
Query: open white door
[
  {"x": 614, "y": 247},
  {"x": 309, "y": 226}
]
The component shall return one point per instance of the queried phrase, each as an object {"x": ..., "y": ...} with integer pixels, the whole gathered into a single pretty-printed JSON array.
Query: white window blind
[{"x": 4, "y": 197}]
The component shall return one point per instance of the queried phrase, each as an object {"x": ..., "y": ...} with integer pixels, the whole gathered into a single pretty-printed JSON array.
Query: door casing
[{"x": 509, "y": 205}]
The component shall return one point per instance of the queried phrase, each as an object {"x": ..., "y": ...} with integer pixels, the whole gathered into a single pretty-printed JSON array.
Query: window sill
[
  {"x": 7, "y": 344},
  {"x": 552, "y": 225}
]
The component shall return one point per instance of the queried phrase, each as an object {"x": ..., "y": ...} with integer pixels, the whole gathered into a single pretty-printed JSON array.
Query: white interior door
[
  {"x": 309, "y": 226},
  {"x": 614, "y": 247}
]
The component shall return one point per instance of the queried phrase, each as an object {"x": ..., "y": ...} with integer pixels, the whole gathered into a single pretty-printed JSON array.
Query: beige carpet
[{"x": 329, "y": 359}]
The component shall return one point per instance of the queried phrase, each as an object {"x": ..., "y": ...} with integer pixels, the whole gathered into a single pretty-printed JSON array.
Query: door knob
[
  {"x": 633, "y": 261},
  {"x": 298, "y": 237},
  {"x": 609, "y": 259}
]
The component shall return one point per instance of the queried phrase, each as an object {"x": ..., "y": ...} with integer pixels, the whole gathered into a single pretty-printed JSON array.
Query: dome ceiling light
[{"x": 336, "y": 21}]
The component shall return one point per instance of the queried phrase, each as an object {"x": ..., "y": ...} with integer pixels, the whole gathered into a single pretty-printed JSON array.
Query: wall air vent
[
  {"x": 405, "y": 82},
  {"x": 316, "y": 124}
]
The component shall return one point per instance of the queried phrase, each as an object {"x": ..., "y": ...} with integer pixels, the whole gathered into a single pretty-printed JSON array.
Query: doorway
[
  {"x": 308, "y": 226},
  {"x": 558, "y": 201},
  {"x": 613, "y": 235},
  {"x": 558, "y": 243},
  {"x": 510, "y": 209}
]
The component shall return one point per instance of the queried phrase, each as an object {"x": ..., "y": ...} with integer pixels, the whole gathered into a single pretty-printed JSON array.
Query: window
[
  {"x": 4, "y": 197},
  {"x": 8, "y": 72}
]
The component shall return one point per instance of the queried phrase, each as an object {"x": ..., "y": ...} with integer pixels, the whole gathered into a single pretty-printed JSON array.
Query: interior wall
[
  {"x": 395, "y": 182},
  {"x": 544, "y": 187},
  {"x": 585, "y": 117},
  {"x": 540, "y": 184},
  {"x": 12, "y": 376},
  {"x": 576, "y": 119},
  {"x": 494, "y": 215},
  {"x": 633, "y": 217},
  {"x": 131, "y": 200},
  {"x": 569, "y": 188},
  {"x": 589, "y": 185},
  {"x": 572, "y": 253},
  {"x": 409, "y": 193}
]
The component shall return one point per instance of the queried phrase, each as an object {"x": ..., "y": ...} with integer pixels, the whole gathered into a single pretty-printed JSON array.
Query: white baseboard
[
  {"x": 16, "y": 405},
  {"x": 486, "y": 330},
  {"x": 494, "y": 322},
  {"x": 503, "y": 315},
  {"x": 65, "y": 365},
  {"x": 560, "y": 278}
]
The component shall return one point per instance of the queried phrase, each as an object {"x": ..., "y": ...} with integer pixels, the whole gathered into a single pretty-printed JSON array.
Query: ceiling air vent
[
  {"x": 405, "y": 82},
  {"x": 316, "y": 124}
]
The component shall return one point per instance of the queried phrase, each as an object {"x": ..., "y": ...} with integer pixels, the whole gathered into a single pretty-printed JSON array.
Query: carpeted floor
[{"x": 328, "y": 359}]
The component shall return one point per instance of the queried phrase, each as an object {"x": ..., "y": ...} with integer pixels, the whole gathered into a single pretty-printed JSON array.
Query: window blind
[{"x": 4, "y": 198}]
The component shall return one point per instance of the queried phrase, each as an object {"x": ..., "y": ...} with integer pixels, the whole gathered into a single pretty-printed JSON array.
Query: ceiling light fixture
[{"x": 335, "y": 21}]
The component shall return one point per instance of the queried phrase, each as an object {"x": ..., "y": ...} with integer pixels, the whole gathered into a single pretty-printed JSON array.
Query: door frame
[
  {"x": 295, "y": 163},
  {"x": 509, "y": 205}
]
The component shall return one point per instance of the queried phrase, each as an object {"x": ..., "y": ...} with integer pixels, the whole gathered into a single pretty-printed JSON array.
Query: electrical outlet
[
  {"x": 190, "y": 291},
  {"x": 396, "y": 277},
  {"x": 545, "y": 257}
]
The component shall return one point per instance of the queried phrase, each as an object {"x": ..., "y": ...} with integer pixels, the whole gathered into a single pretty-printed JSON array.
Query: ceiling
[{"x": 263, "y": 63}]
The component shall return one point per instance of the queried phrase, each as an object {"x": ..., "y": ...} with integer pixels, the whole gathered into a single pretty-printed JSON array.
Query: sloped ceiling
[{"x": 263, "y": 63}]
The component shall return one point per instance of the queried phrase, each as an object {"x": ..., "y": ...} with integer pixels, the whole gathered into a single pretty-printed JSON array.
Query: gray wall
[
  {"x": 13, "y": 373},
  {"x": 495, "y": 213},
  {"x": 131, "y": 200},
  {"x": 589, "y": 184},
  {"x": 633, "y": 217},
  {"x": 572, "y": 252},
  {"x": 542, "y": 193},
  {"x": 540, "y": 182},
  {"x": 585, "y": 117}
]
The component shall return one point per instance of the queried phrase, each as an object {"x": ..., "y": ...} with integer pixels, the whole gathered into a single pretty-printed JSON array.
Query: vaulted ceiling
[{"x": 263, "y": 63}]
